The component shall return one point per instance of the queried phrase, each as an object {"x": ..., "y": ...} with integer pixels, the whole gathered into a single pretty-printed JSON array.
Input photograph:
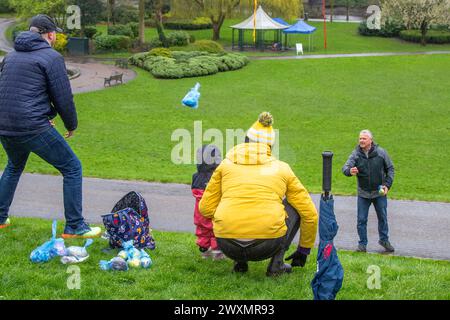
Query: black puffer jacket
[{"x": 34, "y": 87}]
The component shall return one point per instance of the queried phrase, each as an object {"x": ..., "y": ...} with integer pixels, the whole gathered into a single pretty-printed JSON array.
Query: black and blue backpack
[{"x": 129, "y": 221}]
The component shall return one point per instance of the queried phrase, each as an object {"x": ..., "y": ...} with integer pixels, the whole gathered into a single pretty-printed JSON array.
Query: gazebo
[
  {"x": 262, "y": 22},
  {"x": 301, "y": 27}
]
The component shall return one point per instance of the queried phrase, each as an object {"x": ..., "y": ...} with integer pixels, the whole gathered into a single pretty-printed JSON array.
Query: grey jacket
[{"x": 374, "y": 170}]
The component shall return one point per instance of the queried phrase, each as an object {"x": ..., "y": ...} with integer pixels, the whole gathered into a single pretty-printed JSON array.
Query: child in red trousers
[{"x": 208, "y": 159}]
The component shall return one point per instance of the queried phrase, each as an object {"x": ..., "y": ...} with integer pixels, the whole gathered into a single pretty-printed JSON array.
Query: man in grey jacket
[{"x": 375, "y": 172}]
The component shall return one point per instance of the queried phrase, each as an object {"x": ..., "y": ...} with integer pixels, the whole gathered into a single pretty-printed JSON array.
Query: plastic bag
[
  {"x": 192, "y": 97},
  {"x": 116, "y": 263},
  {"x": 76, "y": 254},
  {"x": 80, "y": 252},
  {"x": 146, "y": 261},
  {"x": 50, "y": 249}
]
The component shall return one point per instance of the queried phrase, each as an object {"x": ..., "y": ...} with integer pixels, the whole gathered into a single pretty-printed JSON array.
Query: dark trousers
[
  {"x": 380, "y": 204},
  {"x": 261, "y": 249},
  {"x": 51, "y": 147}
]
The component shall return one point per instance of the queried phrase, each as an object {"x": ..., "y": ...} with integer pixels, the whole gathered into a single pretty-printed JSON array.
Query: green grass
[
  {"x": 179, "y": 273},
  {"x": 341, "y": 38},
  {"x": 125, "y": 132}
]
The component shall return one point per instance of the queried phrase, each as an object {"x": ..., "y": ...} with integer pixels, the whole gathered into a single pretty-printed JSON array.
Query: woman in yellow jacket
[{"x": 258, "y": 204}]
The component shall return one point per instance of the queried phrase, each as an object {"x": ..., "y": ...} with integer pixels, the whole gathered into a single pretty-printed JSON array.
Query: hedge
[
  {"x": 433, "y": 36},
  {"x": 188, "y": 64},
  {"x": 183, "y": 24},
  {"x": 112, "y": 43}
]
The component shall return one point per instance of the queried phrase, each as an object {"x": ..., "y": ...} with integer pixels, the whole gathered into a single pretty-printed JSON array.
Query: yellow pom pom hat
[{"x": 262, "y": 131}]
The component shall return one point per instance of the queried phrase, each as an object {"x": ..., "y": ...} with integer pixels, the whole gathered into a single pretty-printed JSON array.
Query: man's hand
[
  {"x": 386, "y": 190},
  {"x": 69, "y": 134},
  {"x": 298, "y": 259},
  {"x": 354, "y": 171}
]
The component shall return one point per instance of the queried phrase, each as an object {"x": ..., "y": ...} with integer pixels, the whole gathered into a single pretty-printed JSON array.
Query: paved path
[
  {"x": 349, "y": 55},
  {"x": 420, "y": 229},
  {"x": 5, "y": 45}
]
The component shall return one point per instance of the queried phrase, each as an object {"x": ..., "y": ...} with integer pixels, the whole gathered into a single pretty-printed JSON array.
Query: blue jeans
[
  {"x": 380, "y": 205},
  {"x": 51, "y": 147}
]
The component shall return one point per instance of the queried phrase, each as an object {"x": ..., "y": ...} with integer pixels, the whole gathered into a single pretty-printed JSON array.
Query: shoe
[
  {"x": 285, "y": 268},
  {"x": 386, "y": 245},
  {"x": 361, "y": 248},
  {"x": 83, "y": 231},
  {"x": 205, "y": 253},
  {"x": 241, "y": 267},
  {"x": 6, "y": 224},
  {"x": 217, "y": 255}
]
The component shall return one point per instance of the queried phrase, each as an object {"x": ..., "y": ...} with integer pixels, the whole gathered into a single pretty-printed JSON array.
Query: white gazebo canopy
[{"x": 263, "y": 22}]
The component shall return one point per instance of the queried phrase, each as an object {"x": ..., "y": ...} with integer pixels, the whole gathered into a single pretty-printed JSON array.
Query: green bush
[
  {"x": 178, "y": 38},
  {"x": 155, "y": 43},
  {"x": 433, "y": 36},
  {"x": 6, "y": 7},
  {"x": 124, "y": 14},
  {"x": 112, "y": 43},
  {"x": 389, "y": 30},
  {"x": 162, "y": 52},
  {"x": 135, "y": 28},
  {"x": 90, "y": 31},
  {"x": 186, "y": 24},
  {"x": 121, "y": 30},
  {"x": 208, "y": 46},
  {"x": 182, "y": 64},
  {"x": 18, "y": 28}
]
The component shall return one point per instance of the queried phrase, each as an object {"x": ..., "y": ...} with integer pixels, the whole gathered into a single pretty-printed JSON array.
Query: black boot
[
  {"x": 277, "y": 266},
  {"x": 241, "y": 267}
]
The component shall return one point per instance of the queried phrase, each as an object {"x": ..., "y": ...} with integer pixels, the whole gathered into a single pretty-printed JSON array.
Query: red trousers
[{"x": 204, "y": 230}]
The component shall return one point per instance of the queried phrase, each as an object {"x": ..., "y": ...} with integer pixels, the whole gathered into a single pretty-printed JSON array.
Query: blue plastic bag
[
  {"x": 52, "y": 248},
  {"x": 192, "y": 97}
]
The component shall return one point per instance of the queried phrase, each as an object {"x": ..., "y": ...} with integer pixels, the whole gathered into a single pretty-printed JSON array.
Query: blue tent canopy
[
  {"x": 281, "y": 21},
  {"x": 300, "y": 27}
]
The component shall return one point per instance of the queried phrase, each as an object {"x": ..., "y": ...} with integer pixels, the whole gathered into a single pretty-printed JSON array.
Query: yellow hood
[{"x": 250, "y": 154}]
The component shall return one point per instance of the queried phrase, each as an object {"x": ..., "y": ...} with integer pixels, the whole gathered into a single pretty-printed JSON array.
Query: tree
[
  {"x": 417, "y": 14},
  {"x": 30, "y": 8},
  {"x": 157, "y": 9},
  {"x": 219, "y": 10}
]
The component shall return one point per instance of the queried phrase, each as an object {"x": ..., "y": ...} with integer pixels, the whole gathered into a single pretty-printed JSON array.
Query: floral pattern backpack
[{"x": 129, "y": 221}]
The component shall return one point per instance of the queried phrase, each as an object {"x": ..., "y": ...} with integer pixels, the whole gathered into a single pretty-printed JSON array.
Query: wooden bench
[
  {"x": 122, "y": 63},
  {"x": 115, "y": 77}
]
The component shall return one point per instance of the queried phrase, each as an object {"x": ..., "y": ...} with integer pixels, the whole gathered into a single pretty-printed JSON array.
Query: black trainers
[
  {"x": 285, "y": 268},
  {"x": 386, "y": 245},
  {"x": 361, "y": 248},
  {"x": 241, "y": 267}
]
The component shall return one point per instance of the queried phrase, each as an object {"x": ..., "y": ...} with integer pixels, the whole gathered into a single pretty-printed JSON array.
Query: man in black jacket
[
  {"x": 375, "y": 172},
  {"x": 34, "y": 88}
]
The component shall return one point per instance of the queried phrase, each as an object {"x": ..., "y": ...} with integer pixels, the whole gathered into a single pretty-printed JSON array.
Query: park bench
[
  {"x": 115, "y": 77},
  {"x": 122, "y": 63}
]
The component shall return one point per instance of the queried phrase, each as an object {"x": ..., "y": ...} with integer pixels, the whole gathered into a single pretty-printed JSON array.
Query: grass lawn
[
  {"x": 179, "y": 273},
  {"x": 125, "y": 132},
  {"x": 342, "y": 38}
]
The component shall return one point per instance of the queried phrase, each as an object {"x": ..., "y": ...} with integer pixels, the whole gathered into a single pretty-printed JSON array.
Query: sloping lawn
[
  {"x": 179, "y": 273},
  {"x": 125, "y": 132}
]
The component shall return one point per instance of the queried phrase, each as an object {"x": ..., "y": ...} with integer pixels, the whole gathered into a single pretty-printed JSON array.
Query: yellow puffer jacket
[{"x": 245, "y": 193}]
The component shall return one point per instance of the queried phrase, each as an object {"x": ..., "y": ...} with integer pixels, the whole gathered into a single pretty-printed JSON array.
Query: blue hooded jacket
[
  {"x": 329, "y": 276},
  {"x": 34, "y": 88}
]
